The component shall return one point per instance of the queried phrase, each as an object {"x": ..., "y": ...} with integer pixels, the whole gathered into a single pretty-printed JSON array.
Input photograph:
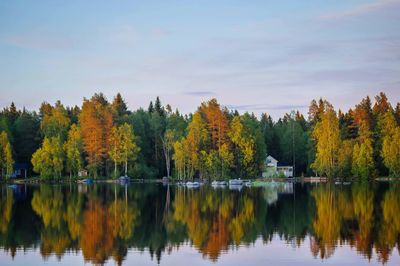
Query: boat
[
  {"x": 87, "y": 181},
  {"x": 248, "y": 183},
  {"x": 194, "y": 184},
  {"x": 124, "y": 180},
  {"x": 218, "y": 184},
  {"x": 235, "y": 182}
]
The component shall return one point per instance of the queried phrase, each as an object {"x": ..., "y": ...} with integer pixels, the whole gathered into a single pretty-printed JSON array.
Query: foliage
[
  {"x": 48, "y": 160},
  {"x": 73, "y": 148},
  {"x": 326, "y": 133},
  {"x": 6, "y": 158}
]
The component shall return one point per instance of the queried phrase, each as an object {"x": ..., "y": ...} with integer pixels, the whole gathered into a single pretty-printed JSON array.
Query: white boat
[
  {"x": 247, "y": 183},
  {"x": 192, "y": 184},
  {"x": 218, "y": 184},
  {"x": 235, "y": 182}
]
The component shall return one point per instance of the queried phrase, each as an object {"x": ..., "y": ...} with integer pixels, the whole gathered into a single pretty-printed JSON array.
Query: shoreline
[{"x": 38, "y": 181}]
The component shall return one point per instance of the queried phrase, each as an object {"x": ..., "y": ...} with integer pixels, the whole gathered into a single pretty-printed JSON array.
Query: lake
[{"x": 150, "y": 224}]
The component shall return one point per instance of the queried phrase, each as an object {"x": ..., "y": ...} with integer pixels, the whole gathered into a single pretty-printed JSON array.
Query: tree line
[{"x": 108, "y": 139}]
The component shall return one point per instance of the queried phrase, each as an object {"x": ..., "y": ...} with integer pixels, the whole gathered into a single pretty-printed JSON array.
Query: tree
[
  {"x": 345, "y": 158},
  {"x": 123, "y": 146},
  {"x": 48, "y": 160},
  {"x": 27, "y": 137},
  {"x": 363, "y": 161},
  {"x": 180, "y": 158},
  {"x": 73, "y": 148},
  {"x": 391, "y": 144},
  {"x": 217, "y": 122},
  {"x": 55, "y": 122},
  {"x": 119, "y": 108},
  {"x": 327, "y": 136},
  {"x": 244, "y": 144},
  {"x": 95, "y": 121},
  {"x": 197, "y": 140},
  {"x": 168, "y": 144},
  {"x": 6, "y": 159}
]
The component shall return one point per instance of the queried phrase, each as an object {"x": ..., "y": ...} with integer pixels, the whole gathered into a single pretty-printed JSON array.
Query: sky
[{"x": 255, "y": 56}]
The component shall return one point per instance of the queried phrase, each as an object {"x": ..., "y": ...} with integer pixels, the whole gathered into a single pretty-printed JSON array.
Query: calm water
[{"x": 149, "y": 224}]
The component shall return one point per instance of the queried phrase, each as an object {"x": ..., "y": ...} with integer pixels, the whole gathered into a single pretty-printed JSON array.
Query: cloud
[
  {"x": 260, "y": 107},
  {"x": 377, "y": 5},
  {"x": 199, "y": 93}
]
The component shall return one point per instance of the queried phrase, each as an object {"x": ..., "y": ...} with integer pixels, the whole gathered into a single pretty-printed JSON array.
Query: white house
[{"x": 273, "y": 168}]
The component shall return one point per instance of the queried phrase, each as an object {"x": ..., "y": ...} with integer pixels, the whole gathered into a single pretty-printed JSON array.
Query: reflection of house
[
  {"x": 274, "y": 168},
  {"x": 20, "y": 170}
]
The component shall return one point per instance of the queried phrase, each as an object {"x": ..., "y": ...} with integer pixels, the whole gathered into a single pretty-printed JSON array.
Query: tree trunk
[
  {"x": 126, "y": 168},
  {"x": 115, "y": 169}
]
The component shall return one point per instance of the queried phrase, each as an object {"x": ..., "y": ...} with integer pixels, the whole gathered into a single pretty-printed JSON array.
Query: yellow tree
[
  {"x": 363, "y": 161},
  {"x": 196, "y": 141},
  {"x": 6, "y": 159},
  {"x": 327, "y": 136},
  {"x": 180, "y": 157},
  {"x": 48, "y": 160},
  {"x": 123, "y": 146},
  {"x": 244, "y": 143},
  {"x": 73, "y": 149},
  {"x": 345, "y": 158},
  {"x": 55, "y": 121},
  {"x": 391, "y": 144}
]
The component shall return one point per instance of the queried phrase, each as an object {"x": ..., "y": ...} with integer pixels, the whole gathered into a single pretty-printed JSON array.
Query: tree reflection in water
[{"x": 104, "y": 221}]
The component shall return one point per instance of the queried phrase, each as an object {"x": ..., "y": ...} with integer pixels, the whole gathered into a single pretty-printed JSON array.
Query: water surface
[{"x": 149, "y": 224}]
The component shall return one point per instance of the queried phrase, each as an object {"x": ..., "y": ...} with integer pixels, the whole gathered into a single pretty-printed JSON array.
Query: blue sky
[{"x": 257, "y": 56}]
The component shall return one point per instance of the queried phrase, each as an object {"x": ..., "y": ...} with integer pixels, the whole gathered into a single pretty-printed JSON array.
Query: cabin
[
  {"x": 275, "y": 169},
  {"x": 20, "y": 170},
  {"x": 82, "y": 173}
]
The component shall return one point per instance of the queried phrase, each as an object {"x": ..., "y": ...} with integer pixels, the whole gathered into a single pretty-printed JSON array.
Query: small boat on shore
[
  {"x": 219, "y": 184},
  {"x": 86, "y": 181},
  {"x": 194, "y": 184},
  {"x": 248, "y": 183},
  {"x": 235, "y": 182},
  {"x": 124, "y": 180}
]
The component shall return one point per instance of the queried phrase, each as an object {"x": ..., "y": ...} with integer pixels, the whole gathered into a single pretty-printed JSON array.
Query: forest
[{"x": 108, "y": 140}]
